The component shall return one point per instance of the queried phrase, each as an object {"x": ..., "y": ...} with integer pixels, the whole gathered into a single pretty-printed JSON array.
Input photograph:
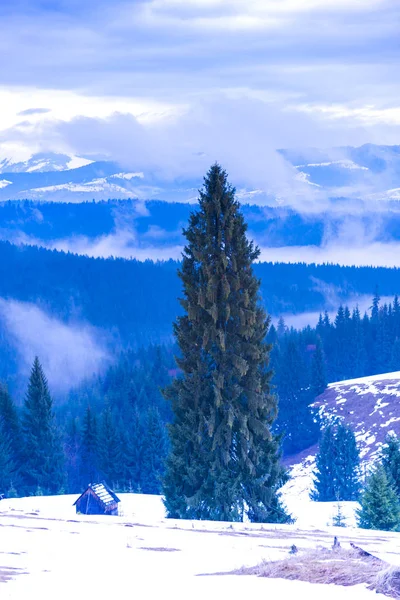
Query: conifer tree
[
  {"x": 43, "y": 457},
  {"x": 380, "y": 508},
  {"x": 109, "y": 449},
  {"x": 294, "y": 400},
  {"x": 318, "y": 371},
  {"x": 133, "y": 451},
  {"x": 155, "y": 446},
  {"x": 391, "y": 461},
  {"x": 89, "y": 449},
  {"x": 7, "y": 464},
  {"x": 11, "y": 429},
  {"x": 347, "y": 473},
  {"x": 72, "y": 460},
  {"x": 324, "y": 480},
  {"x": 339, "y": 519},
  {"x": 337, "y": 466},
  {"x": 395, "y": 356},
  {"x": 224, "y": 460},
  {"x": 9, "y": 415}
]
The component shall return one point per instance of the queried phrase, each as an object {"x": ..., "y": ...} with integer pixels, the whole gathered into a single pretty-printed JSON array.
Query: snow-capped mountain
[
  {"x": 42, "y": 163},
  {"x": 369, "y": 174}
]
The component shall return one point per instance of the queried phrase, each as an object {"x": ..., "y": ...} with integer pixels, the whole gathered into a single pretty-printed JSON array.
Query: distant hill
[{"x": 370, "y": 405}]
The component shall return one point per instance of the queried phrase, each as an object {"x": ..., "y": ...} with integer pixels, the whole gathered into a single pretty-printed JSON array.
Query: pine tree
[
  {"x": 7, "y": 464},
  {"x": 324, "y": 481},
  {"x": 11, "y": 430},
  {"x": 318, "y": 371},
  {"x": 155, "y": 446},
  {"x": 109, "y": 449},
  {"x": 9, "y": 415},
  {"x": 395, "y": 356},
  {"x": 43, "y": 456},
  {"x": 380, "y": 508},
  {"x": 391, "y": 461},
  {"x": 133, "y": 451},
  {"x": 358, "y": 356},
  {"x": 339, "y": 519},
  {"x": 295, "y": 419},
  {"x": 72, "y": 446},
  {"x": 337, "y": 466},
  {"x": 347, "y": 474},
  {"x": 89, "y": 449},
  {"x": 224, "y": 460}
]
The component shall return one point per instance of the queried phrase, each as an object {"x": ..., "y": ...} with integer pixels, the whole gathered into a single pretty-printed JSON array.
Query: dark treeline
[{"x": 142, "y": 309}]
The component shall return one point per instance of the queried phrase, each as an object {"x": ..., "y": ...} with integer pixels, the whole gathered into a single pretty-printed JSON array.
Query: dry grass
[
  {"x": 340, "y": 567},
  {"x": 388, "y": 582}
]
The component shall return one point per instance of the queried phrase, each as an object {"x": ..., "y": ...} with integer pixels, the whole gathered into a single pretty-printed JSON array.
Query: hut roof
[{"x": 103, "y": 492}]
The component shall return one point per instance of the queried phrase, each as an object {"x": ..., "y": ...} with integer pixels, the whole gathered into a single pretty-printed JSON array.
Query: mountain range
[{"x": 368, "y": 173}]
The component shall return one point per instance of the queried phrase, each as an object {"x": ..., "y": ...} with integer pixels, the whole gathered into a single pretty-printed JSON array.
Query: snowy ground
[{"x": 50, "y": 551}]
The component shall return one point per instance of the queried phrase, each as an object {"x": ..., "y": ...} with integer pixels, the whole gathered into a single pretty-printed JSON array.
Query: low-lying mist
[{"x": 69, "y": 352}]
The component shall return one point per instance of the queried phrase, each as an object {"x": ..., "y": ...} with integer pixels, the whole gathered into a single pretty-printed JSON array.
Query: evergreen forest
[{"x": 113, "y": 424}]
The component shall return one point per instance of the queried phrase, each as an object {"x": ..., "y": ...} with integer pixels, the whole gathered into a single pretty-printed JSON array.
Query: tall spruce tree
[
  {"x": 224, "y": 460},
  {"x": 43, "y": 457}
]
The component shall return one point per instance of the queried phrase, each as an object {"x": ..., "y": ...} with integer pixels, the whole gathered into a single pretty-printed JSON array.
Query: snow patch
[
  {"x": 128, "y": 176},
  {"x": 390, "y": 421},
  {"x": 76, "y": 162}
]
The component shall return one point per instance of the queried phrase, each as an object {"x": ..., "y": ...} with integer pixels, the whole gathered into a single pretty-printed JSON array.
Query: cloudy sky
[{"x": 93, "y": 76}]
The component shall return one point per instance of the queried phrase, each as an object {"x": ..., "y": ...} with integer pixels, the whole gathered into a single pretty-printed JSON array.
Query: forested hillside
[
  {"x": 113, "y": 425},
  {"x": 139, "y": 299}
]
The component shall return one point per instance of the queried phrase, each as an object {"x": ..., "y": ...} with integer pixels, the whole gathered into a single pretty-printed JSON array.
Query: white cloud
[
  {"x": 374, "y": 254},
  {"x": 68, "y": 352}
]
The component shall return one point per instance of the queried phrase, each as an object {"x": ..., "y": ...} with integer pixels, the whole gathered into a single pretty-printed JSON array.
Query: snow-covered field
[{"x": 50, "y": 552}]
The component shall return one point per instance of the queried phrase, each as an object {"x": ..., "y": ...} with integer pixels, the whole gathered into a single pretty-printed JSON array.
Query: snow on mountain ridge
[
  {"x": 42, "y": 163},
  {"x": 345, "y": 164}
]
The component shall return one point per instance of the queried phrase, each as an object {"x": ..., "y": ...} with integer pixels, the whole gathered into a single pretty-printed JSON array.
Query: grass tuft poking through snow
[{"x": 339, "y": 567}]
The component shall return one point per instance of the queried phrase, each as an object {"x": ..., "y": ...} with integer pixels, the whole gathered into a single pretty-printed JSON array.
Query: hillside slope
[{"x": 370, "y": 405}]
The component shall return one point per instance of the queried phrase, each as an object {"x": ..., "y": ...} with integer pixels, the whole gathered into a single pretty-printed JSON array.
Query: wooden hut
[{"x": 97, "y": 499}]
